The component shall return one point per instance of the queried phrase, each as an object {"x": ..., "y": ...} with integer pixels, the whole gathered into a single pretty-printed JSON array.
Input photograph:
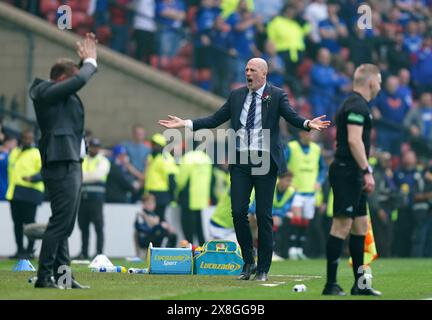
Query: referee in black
[{"x": 351, "y": 179}]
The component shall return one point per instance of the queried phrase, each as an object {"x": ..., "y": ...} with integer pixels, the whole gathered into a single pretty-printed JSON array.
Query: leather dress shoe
[
  {"x": 77, "y": 285},
  {"x": 261, "y": 276},
  {"x": 248, "y": 270},
  {"x": 333, "y": 289},
  {"x": 356, "y": 291},
  {"x": 47, "y": 284}
]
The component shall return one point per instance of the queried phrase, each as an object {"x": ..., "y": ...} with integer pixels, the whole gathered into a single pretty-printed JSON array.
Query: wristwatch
[{"x": 367, "y": 170}]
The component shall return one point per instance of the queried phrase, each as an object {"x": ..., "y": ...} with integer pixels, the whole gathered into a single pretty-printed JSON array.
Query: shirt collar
[{"x": 260, "y": 91}]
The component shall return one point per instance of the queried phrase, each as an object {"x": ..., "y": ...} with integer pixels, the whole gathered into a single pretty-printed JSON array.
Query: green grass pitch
[{"x": 396, "y": 278}]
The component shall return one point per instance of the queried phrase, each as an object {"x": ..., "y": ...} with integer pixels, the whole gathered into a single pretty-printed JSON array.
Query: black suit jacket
[
  {"x": 60, "y": 115},
  {"x": 271, "y": 112}
]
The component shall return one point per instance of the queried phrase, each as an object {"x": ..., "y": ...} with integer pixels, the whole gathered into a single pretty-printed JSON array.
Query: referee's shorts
[{"x": 346, "y": 180}]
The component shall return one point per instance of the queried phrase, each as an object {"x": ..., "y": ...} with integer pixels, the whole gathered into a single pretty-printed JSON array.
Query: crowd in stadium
[{"x": 312, "y": 48}]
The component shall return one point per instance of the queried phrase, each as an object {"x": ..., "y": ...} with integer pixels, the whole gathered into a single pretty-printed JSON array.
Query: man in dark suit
[
  {"x": 254, "y": 110},
  {"x": 60, "y": 115}
]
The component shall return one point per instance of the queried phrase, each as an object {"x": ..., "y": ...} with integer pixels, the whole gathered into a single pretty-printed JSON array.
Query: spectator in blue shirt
[
  {"x": 413, "y": 40},
  {"x": 404, "y": 88},
  {"x": 170, "y": 15},
  {"x": 8, "y": 144},
  {"x": 324, "y": 85},
  {"x": 390, "y": 108},
  {"x": 332, "y": 29},
  {"x": 222, "y": 53},
  {"x": 244, "y": 24},
  {"x": 419, "y": 119},
  {"x": 422, "y": 67},
  {"x": 204, "y": 22},
  {"x": 276, "y": 65}
]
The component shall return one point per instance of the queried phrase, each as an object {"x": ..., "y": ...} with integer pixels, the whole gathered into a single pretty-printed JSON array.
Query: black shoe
[
  {"x": 356, "y": 291},
  {"x": 77, "y": 285},
  {"x": 333, "y": 289},
  {"x": 48, "y": 284},
  {"x": 248, "y": 270},
  {"x": 261, "y": 276}
]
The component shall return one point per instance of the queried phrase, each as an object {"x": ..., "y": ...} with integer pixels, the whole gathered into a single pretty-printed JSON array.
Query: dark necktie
[{"x": 250, "y": 121}]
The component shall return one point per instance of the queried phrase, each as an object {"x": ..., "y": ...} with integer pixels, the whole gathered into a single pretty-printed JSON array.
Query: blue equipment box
[
  {"x": 170, "y": 260},
  {"x": 219, "y": 257}
]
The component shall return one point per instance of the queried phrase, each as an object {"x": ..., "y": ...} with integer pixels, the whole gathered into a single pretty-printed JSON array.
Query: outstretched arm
[
  {"x": 298, "y": 121},
  {"x": 212, "y": 121}
]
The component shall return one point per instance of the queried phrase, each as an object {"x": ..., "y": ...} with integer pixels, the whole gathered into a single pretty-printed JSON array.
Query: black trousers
[
  {"x": 22, "y": 213},
  {"x": 63, "y": 182},
  {"x": 145, "y": 45},
  {"x": 242, "y": 182},
  {"x": 91, "y": 211}
]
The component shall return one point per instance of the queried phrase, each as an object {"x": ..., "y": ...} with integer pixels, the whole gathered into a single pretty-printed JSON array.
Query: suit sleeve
[
  {"x": 219, "y": 117},
  {"x": 289, "y": 114},
  {"x": 65, "y": 88}
]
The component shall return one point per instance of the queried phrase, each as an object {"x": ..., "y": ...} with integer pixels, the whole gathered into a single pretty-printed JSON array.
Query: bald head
[
  {"x": 256, "y": 73},
  {"x": 367, "y": 80}
]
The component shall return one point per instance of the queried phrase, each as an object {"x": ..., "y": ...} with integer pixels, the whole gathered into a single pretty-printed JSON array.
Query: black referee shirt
[{"x": 354, "y": 110}]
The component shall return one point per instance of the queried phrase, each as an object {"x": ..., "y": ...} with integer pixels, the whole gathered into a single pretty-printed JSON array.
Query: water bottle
[
  {"x": 137, "y": 271},
  {"x": 299, "y": 288},
  {"x": 118, "y": 269}
]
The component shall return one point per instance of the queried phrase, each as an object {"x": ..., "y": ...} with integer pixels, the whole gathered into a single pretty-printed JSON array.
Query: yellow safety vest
[
  {"x": 229, "y": 6},
  {"x": 158, "y": 171},
  {"x": 22, "y": 164},
  {"x": 305, "y": 167},
  {"x": 288, "y": 35},
  {"x": 222, "y": 183},
  {"x": 196, "y": 168},
  {"x": 90, "y": 164},
  {"x": 289, "y": 192}
]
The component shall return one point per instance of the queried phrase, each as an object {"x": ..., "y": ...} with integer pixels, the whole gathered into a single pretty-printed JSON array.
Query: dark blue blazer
[{"x": 272, "y": 110}]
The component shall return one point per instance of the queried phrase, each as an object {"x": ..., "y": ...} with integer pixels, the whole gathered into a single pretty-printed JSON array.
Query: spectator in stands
[
  {"x": 7, "y": 144},
  {"x": 383, "y": 202},
  {"x": 99, "y": 9},
  {"x": 422, "y": 224},
  {"x": 268, "y": 9},
  {"x": 120, "y": 183},
  {"x": 315, "y": 12},
  {"x": 398, "y": 57},
  {"x": 25, "y": 190},
  {"x": 405, "y": 179},
  {"x": 138, "y": 151},
  {"x": 276, "y": 65},
  {"x": 360, "y": 47},
  {"x": 244, "y": 25},
  {"x": 404, "y": 88},
  {"x": 149, "y": 228},
  {"x": 288, "y": 32},
  {"x": 324, "y": 84},
  {"x": 390, "y": 108},
  {"x": 412, "y": 38},
  {"x": 145, "y": 29},
  {"x": 422, "y": 66},
  {"x": 119, "y": 13},
  {"x": 222, "y": 52},
  {"x": 230, "y": 6},
  {"x": 419, "y": 123},
  {"x": 204, "y": 22},
  {"x": 170, "y": 15},
  {"x": 332, "y": 29}
]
